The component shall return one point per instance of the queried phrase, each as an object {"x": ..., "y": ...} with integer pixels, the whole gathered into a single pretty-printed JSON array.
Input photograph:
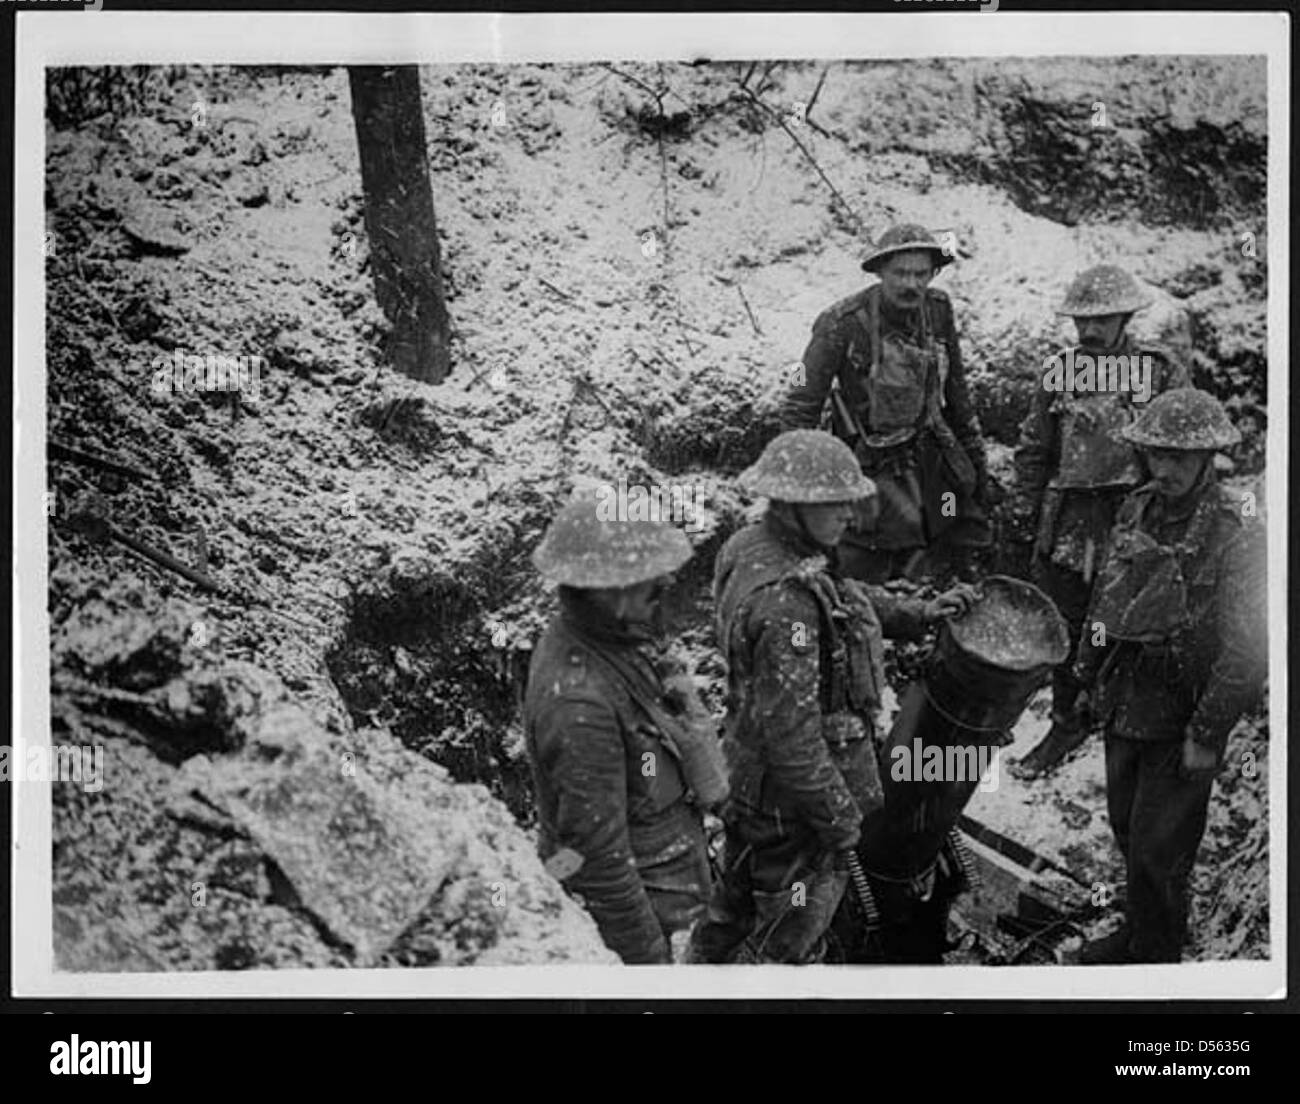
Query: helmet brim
[
  {"x": 875, "y": 259},
  {"x": 1131, "y": 306}
]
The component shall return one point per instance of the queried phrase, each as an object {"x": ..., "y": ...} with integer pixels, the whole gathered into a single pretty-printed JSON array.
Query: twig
[
  {"x": 394, "y": 407},
  {"x": 62, "y": 451},
  {"x": 811, "y": 160},
  {"x": 270, "y": 534},
  {"x": 835, "y": 135},
  {"x": 744, "y": 81},
  {"x": 681, "y": 329},
  {"x": 650, "y": 359},
  {"x": 79, "y": 687},
  {"x": 594, "y": 84},
  {"x": 99, "y": 528},
  {"x": 584, "y": 385},
  {"x": 752, "y": 320},
  {"x": 763, "y": 83},
  {"x": 664, "y": 90},
  {"x": 812, "y": 100},
  {"x": 663, "y": 183},
  {"x": 658, "y": 96},
  {"x": 547, "y": 284}
]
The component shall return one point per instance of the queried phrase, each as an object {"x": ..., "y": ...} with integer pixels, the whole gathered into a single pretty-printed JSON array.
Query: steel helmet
[
  {"x": 587, "y": 545},
  {"x": 807, "y": 466},
  {"x": 905, "y": 238},
  {"x": 1184, "y": 418},
  {"x": 1103, "y": 289}
]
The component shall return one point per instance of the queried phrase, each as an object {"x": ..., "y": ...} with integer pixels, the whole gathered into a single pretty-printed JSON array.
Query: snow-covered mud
[{"x": 627, "y": 278}]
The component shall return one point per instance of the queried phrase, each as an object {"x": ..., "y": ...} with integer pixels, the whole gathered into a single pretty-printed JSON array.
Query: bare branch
[
  {"x": 804, "y": 150},
  {"x": 812, "y": 100},
  {"x": 752, "y": 320}
]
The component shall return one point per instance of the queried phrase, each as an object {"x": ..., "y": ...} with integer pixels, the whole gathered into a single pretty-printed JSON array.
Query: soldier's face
[
  {"x": 827, "y": 522},
  {"x": 639, "y": 603},
  {"x": 1102, "y": 332},
  {"x": 904, "y": 278},
  {"x": 1175, "y": 471}
]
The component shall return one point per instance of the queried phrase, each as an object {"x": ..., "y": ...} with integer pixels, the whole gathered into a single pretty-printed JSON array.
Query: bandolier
[
  {"x": 1180, "y": 599},
  {"x": 804, "y": 651},
  {"x": 900, "y": 400},
  {"x": 615, "y": 765}
]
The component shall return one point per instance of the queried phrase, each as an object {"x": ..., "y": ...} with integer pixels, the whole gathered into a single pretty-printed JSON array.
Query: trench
[{"x": 419, "y": 655}]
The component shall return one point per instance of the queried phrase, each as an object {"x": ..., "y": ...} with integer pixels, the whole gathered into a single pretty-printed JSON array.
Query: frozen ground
[{"x": 379, "y": 529}]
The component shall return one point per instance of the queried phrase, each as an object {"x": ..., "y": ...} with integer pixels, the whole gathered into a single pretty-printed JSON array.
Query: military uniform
[
  {"x": 1072, "y": 472},
  {"x": 615, "y": 750},
  {"x": 901, "y": 375},
  {"x": 610, "y": 784},
  {"x": 1182, "y": 598},
  {"x": 804, "y": 653}
]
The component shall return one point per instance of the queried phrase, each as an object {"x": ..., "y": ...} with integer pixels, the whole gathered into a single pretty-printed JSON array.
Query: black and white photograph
[{"x": 517, "y": 504}]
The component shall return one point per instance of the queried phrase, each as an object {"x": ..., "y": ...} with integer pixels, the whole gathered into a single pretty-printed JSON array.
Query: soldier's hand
[
  {"x": 1198, "y": 760},
  {"x": 951, "y": 603},
  {"x": 1083, "y": 707}
]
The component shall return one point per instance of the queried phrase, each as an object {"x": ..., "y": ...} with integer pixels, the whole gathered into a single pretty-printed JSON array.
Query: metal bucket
[
  {"x": 981, "y": 676},
  {"x": 989, "y": 664}
]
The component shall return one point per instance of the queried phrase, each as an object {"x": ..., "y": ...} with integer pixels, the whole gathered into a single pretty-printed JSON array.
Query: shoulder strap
[
  {"x": 623, "y": 681},
  {"x": 868, "y": 315},
  {"x": 873, "y": 328},
  {"x": 823, "y": 593},
  {"x": 820, "y": 588}
]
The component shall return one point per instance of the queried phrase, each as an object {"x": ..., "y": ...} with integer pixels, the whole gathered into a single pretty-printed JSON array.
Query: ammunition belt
[{"x": 890, "y": 459}]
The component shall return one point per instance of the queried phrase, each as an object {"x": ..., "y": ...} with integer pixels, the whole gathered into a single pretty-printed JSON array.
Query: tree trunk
[{"x": 403, "y": 236}]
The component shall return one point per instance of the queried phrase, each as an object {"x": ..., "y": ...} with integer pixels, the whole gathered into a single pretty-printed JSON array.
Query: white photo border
[{"x": 50, "y": 39}]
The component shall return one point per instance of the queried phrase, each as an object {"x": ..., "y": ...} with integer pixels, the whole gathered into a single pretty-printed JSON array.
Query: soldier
[
  {"x": 902, "y": 404},
  {"x": 1180, "y": 600},
  {"x": 610, "y": 743},
  {"x": 1072, "y": 471},
  {"x": 804, "y": 655}
]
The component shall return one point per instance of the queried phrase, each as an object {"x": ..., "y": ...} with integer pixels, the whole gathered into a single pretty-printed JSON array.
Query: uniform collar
[
  {"x": 1166, "y": 512},
  {"x": 1125, "y": 346},
  {"x": 796, "y": 542}
]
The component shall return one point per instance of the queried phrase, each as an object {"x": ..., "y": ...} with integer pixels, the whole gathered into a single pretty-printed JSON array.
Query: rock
[
  {"x": 221, "y": 708},
  {"x": 153, "y": 230},
  {"x": 83, "y": 942},
  {"x": 402, "y": 416},
  {"x": 124, "y": 647},
  {"x": 251, "y": 192},
  {"x": 363, "y": 860}
]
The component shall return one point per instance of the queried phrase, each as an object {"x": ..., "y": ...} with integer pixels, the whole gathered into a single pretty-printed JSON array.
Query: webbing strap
[{"x": 929, "y": 697}]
